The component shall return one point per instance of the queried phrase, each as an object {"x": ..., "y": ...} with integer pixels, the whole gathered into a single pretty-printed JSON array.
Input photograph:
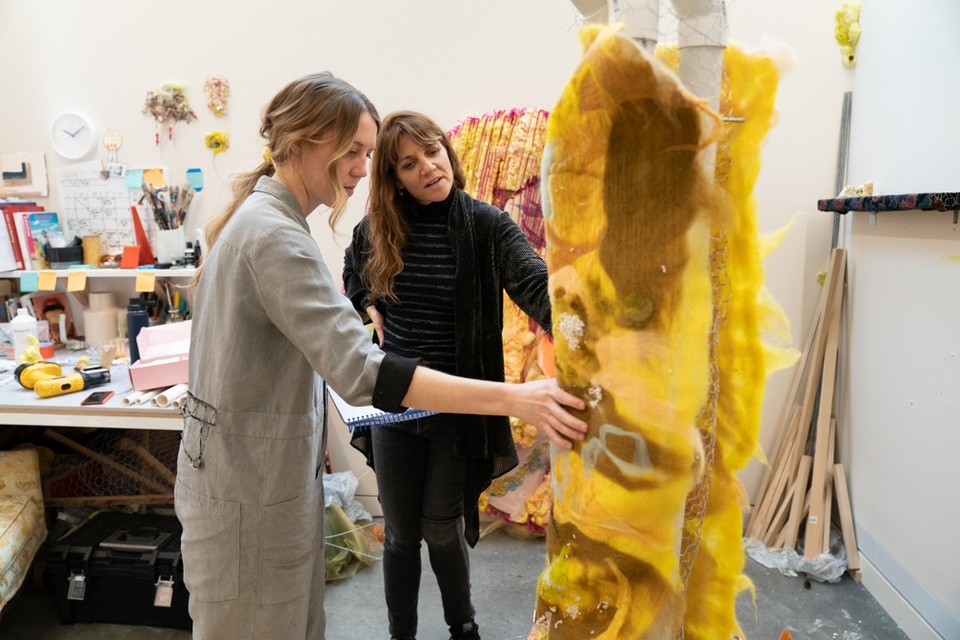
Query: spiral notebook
[{"x": 369, "y": 416}]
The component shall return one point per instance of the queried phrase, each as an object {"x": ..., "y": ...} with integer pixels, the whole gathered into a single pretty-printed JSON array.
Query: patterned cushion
[{"x": 22, "y": 525}]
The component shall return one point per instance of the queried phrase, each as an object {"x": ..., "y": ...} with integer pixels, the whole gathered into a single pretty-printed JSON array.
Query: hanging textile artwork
[
  {"x": 168, "y": 106},
  {"x": 501, "y": 154},
  {"x": 660, "y": 323}
]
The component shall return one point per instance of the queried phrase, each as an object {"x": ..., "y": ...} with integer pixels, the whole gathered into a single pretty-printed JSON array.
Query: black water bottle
[{"x": 137, "y": 318}]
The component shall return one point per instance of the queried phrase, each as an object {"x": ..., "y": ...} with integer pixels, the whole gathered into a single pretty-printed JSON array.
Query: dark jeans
[{"x": 420, "y": 482}]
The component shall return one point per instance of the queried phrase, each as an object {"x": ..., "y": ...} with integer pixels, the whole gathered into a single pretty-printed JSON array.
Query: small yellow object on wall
[
  {"x": 848, "y": 31},
  {"x": 217, "y": 141}
]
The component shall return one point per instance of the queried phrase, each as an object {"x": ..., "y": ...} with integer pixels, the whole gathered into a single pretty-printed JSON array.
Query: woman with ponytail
[{"x": 269, "y": 330}]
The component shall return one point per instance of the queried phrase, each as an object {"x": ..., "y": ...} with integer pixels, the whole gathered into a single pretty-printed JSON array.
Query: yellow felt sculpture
[
  {"x": 628, "y": 212},
  {"x": 656, "y": 286}
]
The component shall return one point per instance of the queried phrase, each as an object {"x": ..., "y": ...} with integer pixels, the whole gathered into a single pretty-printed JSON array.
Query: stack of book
[{"x": 26, "y": 231}]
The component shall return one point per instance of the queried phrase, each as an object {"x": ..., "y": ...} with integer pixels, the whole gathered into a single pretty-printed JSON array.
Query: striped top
[{"x": 421, "y": 325}]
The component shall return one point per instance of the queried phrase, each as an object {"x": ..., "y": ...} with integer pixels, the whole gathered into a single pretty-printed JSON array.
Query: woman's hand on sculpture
[{"x": 542, "y": 403}]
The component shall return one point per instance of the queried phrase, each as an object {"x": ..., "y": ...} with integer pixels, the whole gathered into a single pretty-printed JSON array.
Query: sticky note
[
  {"x": 195, "y": 179},
  {"x": 47, "y": 280},
  {"x": 154, "y": 177},
  {"x": 28, "y": 281},
  {"x": 76, "y": 280},
  {"x": 133, "y": 179},
  {"x": 146, "y": 280},
  {"x": 131, "y": 257}
]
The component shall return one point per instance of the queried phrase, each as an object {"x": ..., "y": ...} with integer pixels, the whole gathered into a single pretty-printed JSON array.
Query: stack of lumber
[{"x": 803, "y": 483}]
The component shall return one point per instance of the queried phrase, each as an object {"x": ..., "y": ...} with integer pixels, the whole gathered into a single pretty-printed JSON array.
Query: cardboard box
[{"x": 164, "y": 356}]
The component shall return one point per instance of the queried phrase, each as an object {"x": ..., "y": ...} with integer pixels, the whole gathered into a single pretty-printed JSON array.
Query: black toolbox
[{"x": 123, "y": 568}]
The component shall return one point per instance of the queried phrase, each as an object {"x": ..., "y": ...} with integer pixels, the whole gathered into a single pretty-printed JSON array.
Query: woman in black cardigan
[{"x": 429, "y": 265}]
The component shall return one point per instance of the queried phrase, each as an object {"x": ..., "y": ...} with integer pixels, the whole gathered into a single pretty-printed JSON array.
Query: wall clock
[{"x": 73, "y": 135}]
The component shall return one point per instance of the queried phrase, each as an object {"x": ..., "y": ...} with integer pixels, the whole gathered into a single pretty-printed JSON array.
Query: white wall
[
  {"x": 901, "y": 368},
  {"x": 100, "y": 57},
  {"x": 454, "y": 59}
]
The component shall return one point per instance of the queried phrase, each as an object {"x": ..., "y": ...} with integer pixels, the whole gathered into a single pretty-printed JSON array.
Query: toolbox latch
[
  {"x": 163, "y": 597},
  {"x": 77, "y": 588}
]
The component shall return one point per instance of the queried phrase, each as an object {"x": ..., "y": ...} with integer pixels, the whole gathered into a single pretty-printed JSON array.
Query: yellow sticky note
[
  {"x": 153, "y": 177},
  {"x": 47, "y": 280},
  {"x": 146, "y": 280},
  {"x": 77, "y": 280}
]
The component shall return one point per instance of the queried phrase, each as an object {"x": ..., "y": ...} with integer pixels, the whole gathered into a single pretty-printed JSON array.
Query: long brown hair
[
  {"x": 315, "y": 108},
  {"x": 390, "y": 208}
]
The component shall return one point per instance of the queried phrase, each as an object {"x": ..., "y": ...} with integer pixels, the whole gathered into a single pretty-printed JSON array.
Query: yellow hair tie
[{"x": 267, "y": 157}]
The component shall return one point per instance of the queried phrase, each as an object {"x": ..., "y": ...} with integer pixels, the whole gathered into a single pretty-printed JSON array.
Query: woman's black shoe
[{"x": 469, "y": 632}]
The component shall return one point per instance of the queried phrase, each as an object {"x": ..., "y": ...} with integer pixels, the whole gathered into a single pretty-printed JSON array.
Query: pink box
[{"x": 164, "y": 356}]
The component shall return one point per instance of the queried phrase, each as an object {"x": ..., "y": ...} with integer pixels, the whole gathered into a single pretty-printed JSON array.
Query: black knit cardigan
[{"x": 492, "y": 255}]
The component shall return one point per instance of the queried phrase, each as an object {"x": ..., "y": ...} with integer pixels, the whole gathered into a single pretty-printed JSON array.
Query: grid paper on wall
[{"x": 95, "y": 205}]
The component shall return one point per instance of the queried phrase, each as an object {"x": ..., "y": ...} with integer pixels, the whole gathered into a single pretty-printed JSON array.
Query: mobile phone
[{"x": 97, "y": 397}]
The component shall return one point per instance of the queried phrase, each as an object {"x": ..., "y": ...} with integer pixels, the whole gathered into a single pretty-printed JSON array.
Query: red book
[
  {"x": 17, "y": 238},
  {"x": 14, "y": 238}
]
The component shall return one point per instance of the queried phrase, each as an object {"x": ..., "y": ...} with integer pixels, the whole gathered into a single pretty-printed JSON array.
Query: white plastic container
[{"x": 22, "y": 326}]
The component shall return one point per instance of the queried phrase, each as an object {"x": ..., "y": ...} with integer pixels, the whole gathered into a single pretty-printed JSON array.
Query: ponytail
[{"x": 243, "y": 184}]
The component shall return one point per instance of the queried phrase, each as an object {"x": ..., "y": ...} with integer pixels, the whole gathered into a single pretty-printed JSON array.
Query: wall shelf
[
  {"x": 941, "y": 201},
  {"x": 111, "y": 273}
]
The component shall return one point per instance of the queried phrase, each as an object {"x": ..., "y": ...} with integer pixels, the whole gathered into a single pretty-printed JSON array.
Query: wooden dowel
[{"x": 150, "y": 459}]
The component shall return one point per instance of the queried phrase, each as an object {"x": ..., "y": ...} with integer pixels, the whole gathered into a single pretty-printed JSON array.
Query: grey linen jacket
[{"x": 269, "y": 326}]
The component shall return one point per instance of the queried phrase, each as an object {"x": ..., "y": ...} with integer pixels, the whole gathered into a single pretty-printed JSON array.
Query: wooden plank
[
  {"x": 813, "y": 345},
  {"x": 799, "y": 494},
  {"x": 773, "y": 495},
  {"x": 828, "y": 488},
  {"x": 827, "y": 512},
  {"x": 780, "y": 540},
  {"x": 813, "y": 543},
  {"x": 846, "y": 520},
  {"x": 781, "y": 498},
  {"x": 790, "y": 414},
  {"x": 782, "y": 537},
  {"x": 776, "y": 527},
  {"x": 831, "y": 286}
]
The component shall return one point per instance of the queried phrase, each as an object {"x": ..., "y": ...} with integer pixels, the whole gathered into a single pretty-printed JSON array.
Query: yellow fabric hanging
[{"x": 656, "y": 283}]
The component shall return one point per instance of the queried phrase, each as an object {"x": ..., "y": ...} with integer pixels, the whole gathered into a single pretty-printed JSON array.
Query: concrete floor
[{"x": 504, "y": 576}]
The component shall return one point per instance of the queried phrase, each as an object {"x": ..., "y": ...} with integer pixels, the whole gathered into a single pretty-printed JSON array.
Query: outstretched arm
[{"x": 541, "y": 403}]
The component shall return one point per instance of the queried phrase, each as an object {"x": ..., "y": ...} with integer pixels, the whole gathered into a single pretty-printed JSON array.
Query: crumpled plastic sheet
[
  {"x": 340, "y": 489},
  {"x": 829, "y": 566}
]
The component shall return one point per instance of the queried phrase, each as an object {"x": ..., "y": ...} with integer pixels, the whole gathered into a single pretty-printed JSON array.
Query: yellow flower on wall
[
  {"x": 217, "y": 141},
  {"x": 848, "y": 31}
]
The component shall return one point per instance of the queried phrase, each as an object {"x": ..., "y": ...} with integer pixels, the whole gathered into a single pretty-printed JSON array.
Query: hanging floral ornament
[
  {"x": 218, "y": 90},
  {"x": 217, "y": 141},
  {"x": 168, "y": 106}
]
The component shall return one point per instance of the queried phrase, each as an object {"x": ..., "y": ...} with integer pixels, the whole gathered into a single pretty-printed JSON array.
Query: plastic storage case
[{"x": 121, "y": 568}]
